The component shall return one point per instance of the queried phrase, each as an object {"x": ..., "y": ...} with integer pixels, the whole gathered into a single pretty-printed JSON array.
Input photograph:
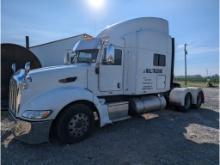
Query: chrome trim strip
[{"x": 13, "y": 94}]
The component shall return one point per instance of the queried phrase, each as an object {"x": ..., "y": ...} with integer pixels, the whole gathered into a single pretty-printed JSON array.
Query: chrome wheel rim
[{"x": 78, "y": 125}]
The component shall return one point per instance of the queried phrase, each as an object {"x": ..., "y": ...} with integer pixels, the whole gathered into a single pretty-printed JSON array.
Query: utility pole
[
  {"x": 27, "y": 41},
  {"x": 207, "y": 72},
  {"x": 185, "y": 52}
]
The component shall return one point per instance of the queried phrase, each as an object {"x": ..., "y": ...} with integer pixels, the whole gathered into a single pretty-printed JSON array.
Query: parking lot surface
[{"x": 161, "y": 137}]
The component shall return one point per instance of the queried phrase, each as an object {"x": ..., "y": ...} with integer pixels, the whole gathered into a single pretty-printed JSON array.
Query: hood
[
  {"x": 53, "y": 76},
  {"x": 50, "y": 78},
  {"x": 59, "y": 68}
]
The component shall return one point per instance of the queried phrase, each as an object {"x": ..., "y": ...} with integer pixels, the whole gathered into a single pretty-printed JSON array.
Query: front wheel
[{"x": 75, "y": 123}]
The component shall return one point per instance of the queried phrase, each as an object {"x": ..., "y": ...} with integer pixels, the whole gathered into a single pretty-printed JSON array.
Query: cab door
[{"x": 111, "y": 70}]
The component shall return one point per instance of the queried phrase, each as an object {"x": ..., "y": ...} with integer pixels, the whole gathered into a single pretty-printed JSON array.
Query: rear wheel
[
  {"x": 75, "y": 123},
  {"x": 198, "y": 100},
  {"x": 187, "y": 103}
]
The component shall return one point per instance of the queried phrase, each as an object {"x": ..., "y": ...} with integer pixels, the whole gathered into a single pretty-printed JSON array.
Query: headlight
[{"x": 36, "y": 114}]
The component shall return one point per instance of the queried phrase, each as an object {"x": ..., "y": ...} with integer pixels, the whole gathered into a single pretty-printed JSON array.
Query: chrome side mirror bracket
[{"x": 27, "y": 67}]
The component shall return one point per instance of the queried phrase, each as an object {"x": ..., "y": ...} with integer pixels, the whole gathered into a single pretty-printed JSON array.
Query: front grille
[{"x": 13, "y": 94}]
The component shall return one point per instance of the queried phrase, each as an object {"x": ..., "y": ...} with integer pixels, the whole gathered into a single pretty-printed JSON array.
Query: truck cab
[{"x": 125, "y": 70}]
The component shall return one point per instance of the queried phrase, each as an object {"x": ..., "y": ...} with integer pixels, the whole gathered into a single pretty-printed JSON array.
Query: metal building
[{"x": 52, "y": 53}]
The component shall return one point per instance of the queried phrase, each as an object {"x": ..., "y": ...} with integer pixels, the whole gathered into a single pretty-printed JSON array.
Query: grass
[{"x": 195, "y": 84}]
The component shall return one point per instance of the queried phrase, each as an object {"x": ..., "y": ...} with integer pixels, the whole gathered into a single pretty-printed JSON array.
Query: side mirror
[
  {"x": 27, "y": 67},
  {"x": 73, "y": 59},
  {"x": 66, "y": 58},
  {"x": 70, "y": 58},
  {"x": 110, "y": 54},
  {"x": 13, "y": 67}
]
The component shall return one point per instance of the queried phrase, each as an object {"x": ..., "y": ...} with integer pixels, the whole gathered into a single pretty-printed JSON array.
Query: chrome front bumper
[{"x": 31, "y": 132}]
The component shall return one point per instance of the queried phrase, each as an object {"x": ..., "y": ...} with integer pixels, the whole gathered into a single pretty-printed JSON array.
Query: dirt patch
[{"x": 202, "y": 134}]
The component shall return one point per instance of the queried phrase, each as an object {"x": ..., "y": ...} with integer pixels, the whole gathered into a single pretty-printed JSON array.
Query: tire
[
  {"x": 187, "y": 103},
  {"x": 199, "y": 100},
  {"x": 74, "y": 124}
]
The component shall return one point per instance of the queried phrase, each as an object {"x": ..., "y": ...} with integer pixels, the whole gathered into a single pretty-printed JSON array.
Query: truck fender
[
  {"x": 177, "y": 96},
  {"x": 58, "y": 98}
]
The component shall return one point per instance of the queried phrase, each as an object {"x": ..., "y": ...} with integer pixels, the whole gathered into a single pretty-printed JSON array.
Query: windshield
[{"x": 87, "y": 56}]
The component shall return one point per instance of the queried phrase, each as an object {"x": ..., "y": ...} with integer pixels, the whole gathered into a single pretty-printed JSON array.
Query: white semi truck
[{"x": 126, "y": 70}]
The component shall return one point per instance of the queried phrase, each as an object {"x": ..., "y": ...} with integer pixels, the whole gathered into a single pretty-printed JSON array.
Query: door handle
[
  {"x": 118, "y": 85},
  {"x": 97, "y": 69}
]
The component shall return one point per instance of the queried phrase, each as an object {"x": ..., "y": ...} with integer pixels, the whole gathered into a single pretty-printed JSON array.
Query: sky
[{"x": 195, "y": 22}]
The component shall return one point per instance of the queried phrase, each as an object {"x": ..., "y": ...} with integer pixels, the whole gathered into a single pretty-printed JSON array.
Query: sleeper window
[{"x": 159, "y": 60}]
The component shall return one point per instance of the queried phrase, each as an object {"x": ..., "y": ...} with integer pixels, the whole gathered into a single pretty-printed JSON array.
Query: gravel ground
[{"x": 162, "y": 137}]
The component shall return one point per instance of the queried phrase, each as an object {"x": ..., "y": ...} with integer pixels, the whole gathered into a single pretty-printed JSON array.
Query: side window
[
  {"x": 117, "y": 58},
  {"x": 159, "y": 60},
  {"x": 156, "y": 59},
  {"x": 162, "y": 60}
]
